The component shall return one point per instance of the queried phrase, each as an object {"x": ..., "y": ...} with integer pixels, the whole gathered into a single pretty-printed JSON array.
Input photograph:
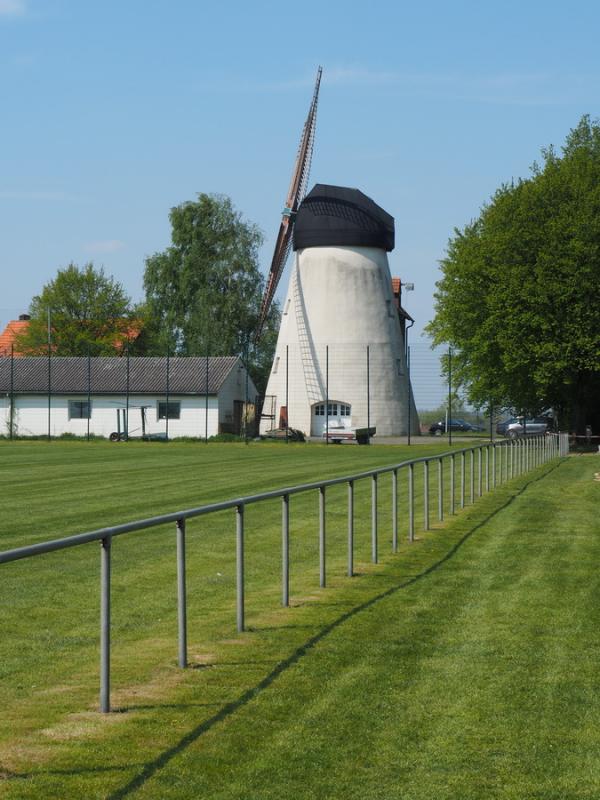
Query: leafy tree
[
  {"x": 203, "y": 293},
  {"x": 89, "y": 312},
  {"x": 518, "y": 299}
]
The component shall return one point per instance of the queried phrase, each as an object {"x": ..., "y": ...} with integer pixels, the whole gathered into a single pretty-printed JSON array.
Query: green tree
[
  {"x": 87, "y": 310},
  {"x": 204, "y": 292},
  {"x": 518, "y": 299}
]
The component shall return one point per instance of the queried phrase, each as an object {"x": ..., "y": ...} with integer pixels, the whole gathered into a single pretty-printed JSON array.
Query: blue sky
[{"x": 114, "y": 112}]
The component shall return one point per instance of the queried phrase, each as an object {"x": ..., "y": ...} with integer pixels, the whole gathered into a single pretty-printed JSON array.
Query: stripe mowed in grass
[{"x": 463, "y": 667}]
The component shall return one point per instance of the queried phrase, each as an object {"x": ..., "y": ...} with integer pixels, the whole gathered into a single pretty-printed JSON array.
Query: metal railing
[{"x": 501, "y": 462}]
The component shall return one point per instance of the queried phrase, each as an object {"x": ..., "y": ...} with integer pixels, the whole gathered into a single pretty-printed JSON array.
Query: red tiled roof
[
  {"x": 19, "y": 326},
  {"x": 7, "y": 337}
]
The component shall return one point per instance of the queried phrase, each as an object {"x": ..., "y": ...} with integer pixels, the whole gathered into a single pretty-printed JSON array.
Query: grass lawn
[{"x": 463, "y": 667}]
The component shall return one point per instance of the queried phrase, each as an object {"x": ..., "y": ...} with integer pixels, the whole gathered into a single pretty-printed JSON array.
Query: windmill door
[{"x": 339, "y": 415}]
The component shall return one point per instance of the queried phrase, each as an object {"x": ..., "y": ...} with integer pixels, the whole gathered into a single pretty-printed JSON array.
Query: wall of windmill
[{"x": 361, "y": 384}]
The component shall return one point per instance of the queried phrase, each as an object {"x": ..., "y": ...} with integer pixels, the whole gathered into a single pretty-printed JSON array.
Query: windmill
[
  {"x": 295, "y": 196},
  {"x": 340, "y": 360}
]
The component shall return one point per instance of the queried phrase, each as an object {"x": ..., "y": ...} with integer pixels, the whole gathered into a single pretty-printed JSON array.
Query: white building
[
  {"x": 179, "y": 396},
  {"x": 340, "y": 358}
]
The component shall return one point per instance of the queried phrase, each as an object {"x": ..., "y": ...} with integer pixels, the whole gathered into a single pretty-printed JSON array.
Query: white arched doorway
[{"x": 339, "y": 415}]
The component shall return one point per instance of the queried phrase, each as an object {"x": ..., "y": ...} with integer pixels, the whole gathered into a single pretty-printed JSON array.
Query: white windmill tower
[{"x": 340, "y": 360}]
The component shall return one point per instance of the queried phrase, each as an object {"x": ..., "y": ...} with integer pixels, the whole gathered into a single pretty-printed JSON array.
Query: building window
[
  {"x": 344, "y": 410},
  {"x": 287, "y": 307},
  {"x": 399, "y": 366},
  {"x": 79, "y": 409},
  {"x": 170, "y": 410},
  {"x": 276, "y": 365}
]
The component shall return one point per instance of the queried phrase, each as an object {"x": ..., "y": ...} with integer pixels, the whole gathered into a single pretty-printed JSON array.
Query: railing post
[
  {"x": 479, "y": 472},
  {"x": 452, "y": 484},
  {"x": 411, "y": 502},
  {"x": 395, "y": 511},
  {"x": 426, "y": 495},
  {"x": 462, "y": 480},
  {"x": 350, "y": 528},
  {"x": 105, "y": 624},
  {"x": 239, "y": 527},
  {"x": 487, "y": 468},
  {"x": 374, "y": 519},
  {"x": 181, "y": 598},
  {"x": 322, "y": 543},
  {"x": 500, "y": 462},
  {"x": 472, "y": 477},
  {"x": 440, "y": 489},
  {"x": 285, "y": 550}
]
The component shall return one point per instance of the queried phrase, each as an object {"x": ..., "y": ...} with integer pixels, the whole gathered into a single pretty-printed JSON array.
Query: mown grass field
[{"x": 463, "y": 667}]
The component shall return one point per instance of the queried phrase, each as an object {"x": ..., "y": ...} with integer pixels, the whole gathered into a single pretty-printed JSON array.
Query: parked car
[
  {"x": 522, "y": 426},
  {"x": 502, "y": 426},
  {"x": 438, "y": 428}
]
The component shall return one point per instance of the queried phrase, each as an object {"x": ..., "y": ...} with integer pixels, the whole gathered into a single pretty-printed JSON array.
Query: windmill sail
[{"x": 296, "y": 192}]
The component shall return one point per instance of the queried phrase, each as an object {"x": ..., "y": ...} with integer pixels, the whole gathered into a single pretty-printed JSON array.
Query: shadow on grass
[
  {"x": 250, "y": 694},
  {"x": 148, "y": 770}
]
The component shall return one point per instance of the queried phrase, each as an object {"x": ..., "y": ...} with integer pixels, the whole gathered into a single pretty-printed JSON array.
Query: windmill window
[
  {"x": 320, "y": 410},
  {"x": 276, "y": 365},
  {"x": 287, "y": 306},
  {"x": 399, "y": 366},
  {"x": 344, "y": 410},
  {"x": 79, "y": 409},
  {"x": 170, "y": 410}
]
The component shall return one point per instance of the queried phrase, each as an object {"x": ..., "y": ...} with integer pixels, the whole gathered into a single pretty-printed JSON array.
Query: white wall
[
  {"x": 31, "y": 415},
  {"x": 234, "y": 388},
  {"x": 346, "y": 304}
]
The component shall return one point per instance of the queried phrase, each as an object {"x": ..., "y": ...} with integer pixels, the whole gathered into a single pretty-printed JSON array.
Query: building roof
[
  {"x": 131, "y": 331},
  {"x": 397, "y": 291},
  {"x": 109, "y": 375},
  {"x": 8, "y": 335},
  {"x": 336, "y": 215}
]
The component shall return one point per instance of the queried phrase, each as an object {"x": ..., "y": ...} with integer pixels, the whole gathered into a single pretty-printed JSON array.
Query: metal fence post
[
  {"x": 440, "y": 489},
  {"x": 395, "y": 511},
  {"x": 452, "y": 484},
  {"x": 239, "y": 528},
  {"x": 462, "y": 480},
  {"x": 285, "y": 550},
  {"x": 487, "y": 467},
  {"x": 181, "y": 598},
  {"x": 472, "y": 477},
  {"x": 105, "y": 625},
  {"x": 374, "y": 519},
  {"x": 479, "y": 472},
  {"x": 350, "y": 528},
  {"x": 411, "y": 502},
  {"x": 322, "y": 543},
  {"x": 426, "y": 495}
]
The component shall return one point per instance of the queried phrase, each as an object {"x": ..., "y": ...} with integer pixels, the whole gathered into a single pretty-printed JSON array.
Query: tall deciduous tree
[
  {"x": 88, "y": 312},
  {"x": 520, "y": 294},
  {"x": 203, "y": 293}
]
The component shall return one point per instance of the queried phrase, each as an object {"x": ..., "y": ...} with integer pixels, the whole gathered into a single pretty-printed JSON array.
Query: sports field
[{"x": 463, "y": 667}]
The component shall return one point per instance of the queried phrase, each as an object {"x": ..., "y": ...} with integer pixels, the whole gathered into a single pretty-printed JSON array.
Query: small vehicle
[
  {"x": 338, "y": 434},
  {"x": 438, "y": 428},
  {"x": 283, "y": 434},
  {"x": 502, "y": 426},
  {"x": 522, "y": 426}
]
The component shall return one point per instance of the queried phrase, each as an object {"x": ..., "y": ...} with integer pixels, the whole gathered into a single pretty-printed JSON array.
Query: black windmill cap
[{"x": 336, "y": 215}]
